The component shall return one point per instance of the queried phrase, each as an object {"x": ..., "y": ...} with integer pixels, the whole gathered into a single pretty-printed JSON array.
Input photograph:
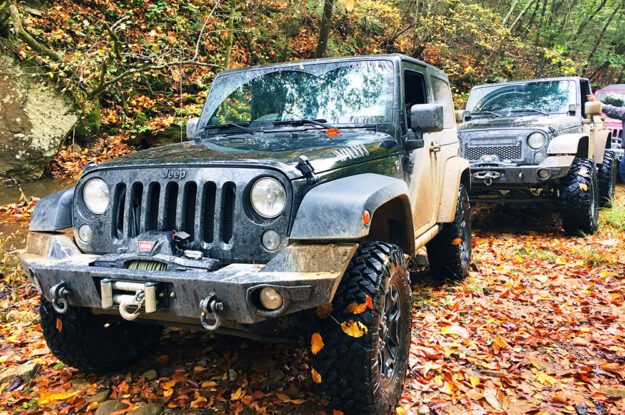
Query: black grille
[
  {"x": 504, "y": 152},
  {"x": 174, "y": 206}
]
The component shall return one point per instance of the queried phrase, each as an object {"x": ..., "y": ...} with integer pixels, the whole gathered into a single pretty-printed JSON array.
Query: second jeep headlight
[
  {"x": 536, "y": 140},
  {"x": 96, "y": 196},
  {"x": 268, "y": 197}
]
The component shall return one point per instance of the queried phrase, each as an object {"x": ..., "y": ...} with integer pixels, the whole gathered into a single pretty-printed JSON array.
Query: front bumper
[
  {"x": 504, "y": 176},
  {"x": 305, "y": 275}
]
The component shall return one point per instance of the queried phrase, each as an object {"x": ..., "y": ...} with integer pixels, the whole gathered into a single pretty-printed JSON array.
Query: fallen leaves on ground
[{"x": 537, "y": 328}]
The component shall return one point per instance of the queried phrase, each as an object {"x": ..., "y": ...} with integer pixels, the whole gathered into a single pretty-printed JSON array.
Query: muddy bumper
[
  {"x": 305, "y": 276},
  {"x": 496, "y": 176}
]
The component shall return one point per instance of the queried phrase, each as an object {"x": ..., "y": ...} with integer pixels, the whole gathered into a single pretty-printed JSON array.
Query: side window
[
  {"x": 442, "y": 95},
  {"x": 414, "y": 91},
  {"x": 584, "y": 91}
]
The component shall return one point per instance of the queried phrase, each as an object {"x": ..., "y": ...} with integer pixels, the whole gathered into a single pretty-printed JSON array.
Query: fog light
[
  {"x": 271, "y": 240},
  {"x": 543, "y": 174},
  {"x": 85, "y": 233},
  {"x": 270, "y": 298}
]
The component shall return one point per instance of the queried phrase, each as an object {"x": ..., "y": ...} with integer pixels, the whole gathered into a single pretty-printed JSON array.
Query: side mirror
[
  {"x": 427, "y": 117},
  {"x": 593, "y": 108},
  {"x": 572, "y": 109},
  {"x": 192, "y": 128},
  {"x": 460, "y": 116},
  {"x": 414, "y": 143}
]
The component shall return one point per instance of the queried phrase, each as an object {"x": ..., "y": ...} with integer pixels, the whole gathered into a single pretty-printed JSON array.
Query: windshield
[
  {"x": 547, "y": 97},
  {"x": 616, "y": 98},
  {"x": 336, "y": 93}
]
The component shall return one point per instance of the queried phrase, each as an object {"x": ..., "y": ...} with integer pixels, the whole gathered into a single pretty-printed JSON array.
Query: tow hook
[
  {"x": 487, "y": 176},
  {"x": 59, "y": 294},
  {"x": 130, "y": 297},
  {"x": 211, "y": 307}
]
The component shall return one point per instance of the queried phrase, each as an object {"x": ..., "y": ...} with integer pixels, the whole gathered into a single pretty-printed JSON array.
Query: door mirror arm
[{"x": 414, "y": 139}]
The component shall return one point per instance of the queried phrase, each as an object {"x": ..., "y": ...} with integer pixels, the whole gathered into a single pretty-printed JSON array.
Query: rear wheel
[
  {"x": 366, "y": 338},
  {"x": 579, "y": 197},
  {"x": 449, "y": 253},
  {"x": 607, "y": 175},
  {"x": 96, "y": 343}
]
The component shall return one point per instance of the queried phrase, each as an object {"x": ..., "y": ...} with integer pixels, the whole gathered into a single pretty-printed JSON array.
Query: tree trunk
[
  {"x": 324, "y": 30},
  {"x": 230, "y": 38}
]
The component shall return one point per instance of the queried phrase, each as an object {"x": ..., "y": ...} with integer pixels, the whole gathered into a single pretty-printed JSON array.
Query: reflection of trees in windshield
[
  {"x": 553, "y": 96},
  {"x": 612, "y": 98},
  {"x": 350, "y": 93}
]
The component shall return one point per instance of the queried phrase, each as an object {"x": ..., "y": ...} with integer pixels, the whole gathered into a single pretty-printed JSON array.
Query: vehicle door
[
  {"x": 421, "y": 166},
  {"x": 445, "y": 144}
]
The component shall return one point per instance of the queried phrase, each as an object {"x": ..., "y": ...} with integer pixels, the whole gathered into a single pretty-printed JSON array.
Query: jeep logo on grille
[{"x": 174, "y": 174}]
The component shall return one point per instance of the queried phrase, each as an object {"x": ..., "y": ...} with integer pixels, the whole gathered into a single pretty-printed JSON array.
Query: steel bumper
[
  {"x": 496, "y": 176},
  {"x": 305, "y": 275}
]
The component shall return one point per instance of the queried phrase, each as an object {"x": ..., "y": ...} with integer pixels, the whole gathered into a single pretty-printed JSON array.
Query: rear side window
[{"x": 442, "y": 95}]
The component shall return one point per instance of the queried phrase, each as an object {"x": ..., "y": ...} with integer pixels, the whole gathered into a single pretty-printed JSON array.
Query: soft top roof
[{"x": 392, "y": 57}]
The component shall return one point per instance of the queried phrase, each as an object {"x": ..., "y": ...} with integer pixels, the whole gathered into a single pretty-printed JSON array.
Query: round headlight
[
  {"x": 268, "y": 197},
  {"x": 96, "y": 196},
  {"x": 536, "y": 140}
]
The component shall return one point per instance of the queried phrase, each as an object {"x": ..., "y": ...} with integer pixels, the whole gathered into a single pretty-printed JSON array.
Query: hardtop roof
[
  {"x": 525, "y": 81},
  {"x": 391, "y": 56}
]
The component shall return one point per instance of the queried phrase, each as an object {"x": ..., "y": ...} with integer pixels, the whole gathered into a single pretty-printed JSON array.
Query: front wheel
[
  {"x": 360, "y": 351},
  {"x": 96, "y": 343},
  {"x": 608, "y": 172},
  {"x": 449, "y": 253},
  {"x": 579, "y": 198}
]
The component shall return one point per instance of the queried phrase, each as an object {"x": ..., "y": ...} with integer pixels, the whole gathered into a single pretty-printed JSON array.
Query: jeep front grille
[
  {"x": 189, "y": 206},
  {"x": 617, "y": 137},
  {"x": 504, "y": 152}
]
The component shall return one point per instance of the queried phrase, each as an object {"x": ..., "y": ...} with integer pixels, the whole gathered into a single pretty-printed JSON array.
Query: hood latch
[{"x": 307, "y": 170}]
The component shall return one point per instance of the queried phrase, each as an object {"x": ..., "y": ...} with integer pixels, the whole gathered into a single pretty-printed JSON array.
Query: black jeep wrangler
[
  {"x": 291, "y": 213},
  {"x": 540, "y": 140}
]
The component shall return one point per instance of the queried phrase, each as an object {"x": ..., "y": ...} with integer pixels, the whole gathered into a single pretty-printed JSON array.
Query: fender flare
[
  {"x": 53, "y": 212},
  {"x": 457, "y": 171},
  {"x": 333, "y": 210},
  {"x": 567, "y": 144}
]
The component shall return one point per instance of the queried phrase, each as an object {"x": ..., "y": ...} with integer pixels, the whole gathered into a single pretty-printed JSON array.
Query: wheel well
[
  {"x": 582, "y": 147},
  {"x": 465, "y": 179},
  {"x": 392, "y": 222}
]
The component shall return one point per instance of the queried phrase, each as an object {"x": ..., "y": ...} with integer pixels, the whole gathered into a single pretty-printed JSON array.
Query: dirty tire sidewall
[
  {"x": 579, "y": 198},
  {"x": 607, "y": 176},
  {"x": 449, "y": 253},
  {"x": 96, "y": 343},
  {"x": 351, "y": 376}
]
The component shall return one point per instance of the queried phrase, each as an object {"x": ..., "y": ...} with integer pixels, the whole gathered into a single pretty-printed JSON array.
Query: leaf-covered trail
[{"x": 538, "y": 327}]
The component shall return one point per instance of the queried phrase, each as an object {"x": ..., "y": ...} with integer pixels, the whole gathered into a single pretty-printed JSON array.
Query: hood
[
  {"x": 549, "y": 123},
  {"x": 277, "y": 150}
]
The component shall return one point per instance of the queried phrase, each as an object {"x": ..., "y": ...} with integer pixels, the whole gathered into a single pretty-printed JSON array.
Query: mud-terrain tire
[
  {"x": 96, "y": 343},
  {"x": 449, "y": 253},
  {"x": 351, "y": 371},
  {"x": 579, "y": 198},
  {"x": 607, "y": 175}
]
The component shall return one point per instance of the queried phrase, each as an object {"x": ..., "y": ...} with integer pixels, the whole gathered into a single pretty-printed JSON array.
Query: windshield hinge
[{"x": 307, "y": 170}]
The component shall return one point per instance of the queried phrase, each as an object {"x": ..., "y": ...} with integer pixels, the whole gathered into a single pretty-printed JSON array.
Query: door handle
[{"x": 435, "y": 148}]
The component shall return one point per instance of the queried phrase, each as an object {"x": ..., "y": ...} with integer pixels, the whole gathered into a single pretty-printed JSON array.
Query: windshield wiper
[
  {"x": 531, "y": 110},
  {"x": 229, "y": 125},
  {"x": 302, "y": 121},
  {"x": 487, "y": 112}
]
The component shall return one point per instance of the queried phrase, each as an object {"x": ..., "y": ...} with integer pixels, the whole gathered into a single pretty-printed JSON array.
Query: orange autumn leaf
[
  {"x": 236, "y": 395},
  {"x": 337, "y": 412},
  {"x": 316, "y": 376},
  {"x": 456, "y": 241},
  {"x": 46, "y": 397},
  {"x": 354, "y": 328},
  {"x": 59, "y": 325},
  {"x": 316, "y": 343},
  {"x": 369, "y": 302},
  {"x": 355, "y": 308}
]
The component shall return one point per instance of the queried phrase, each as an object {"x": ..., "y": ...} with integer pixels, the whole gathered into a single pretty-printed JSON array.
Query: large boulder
[{"x": 35, "y": 118}]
